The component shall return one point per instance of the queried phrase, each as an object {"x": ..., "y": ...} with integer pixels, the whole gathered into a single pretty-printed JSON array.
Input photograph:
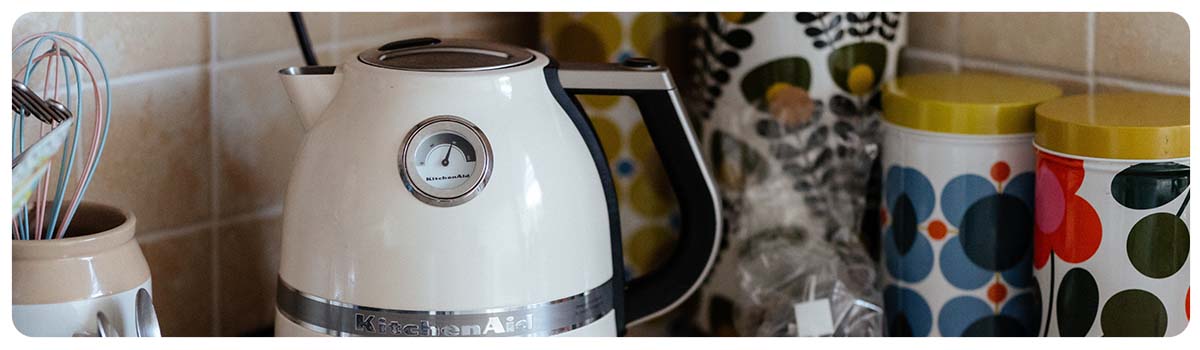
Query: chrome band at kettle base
[{"x": 337, "y": 318}]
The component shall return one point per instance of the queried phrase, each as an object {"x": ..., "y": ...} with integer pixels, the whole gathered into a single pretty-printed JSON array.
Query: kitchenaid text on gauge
[
  {"x": 439, "y": 178},
  {"x": 366, "y": 323}
]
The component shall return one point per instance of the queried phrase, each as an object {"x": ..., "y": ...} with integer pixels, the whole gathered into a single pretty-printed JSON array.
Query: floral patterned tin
[
  {"x": 1111, "y": 246},
  {"x": 958, "y": 198}
]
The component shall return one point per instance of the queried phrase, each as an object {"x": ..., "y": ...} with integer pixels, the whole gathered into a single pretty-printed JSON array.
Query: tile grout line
[
  {"x": 214, "y": 64},
  {"x": 262, "y": 213},
  {"x": 931, "y": 55},
  {"x": 1144, "y": 86},
  {"x": 335, "y": 36},
  {"x": 214, "y": 177},
  {"x": 946, "y": 58},
  {"x": 1078, "y": 78},
  {"x": 336, "y": 45},
  {"x": 956, "y": 63},
  {"x": 259, "y": 58},
  {"x": 155, "y": 74},
  {"x": 79, "y": 24},
  {"x": 1090, "y": 51},
  {"x": 1031, "y": 71},
  {"x": 168, "y": 233}
]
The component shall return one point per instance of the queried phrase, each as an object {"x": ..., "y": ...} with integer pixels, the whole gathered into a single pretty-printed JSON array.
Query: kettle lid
[{"x": 451, "y": 55}]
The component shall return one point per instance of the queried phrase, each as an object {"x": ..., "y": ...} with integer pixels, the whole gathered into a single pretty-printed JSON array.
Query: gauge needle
[{"x": 446, "y": 161}]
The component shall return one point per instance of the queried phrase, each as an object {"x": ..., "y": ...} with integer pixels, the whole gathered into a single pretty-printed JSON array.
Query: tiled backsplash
[
  {"x": 204, "y": 137},
  {"x": 1082, "y": 52}
]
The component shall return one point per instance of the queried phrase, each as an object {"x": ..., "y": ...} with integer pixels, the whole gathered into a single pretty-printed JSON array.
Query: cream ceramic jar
[{"x": 60, "y": 285}]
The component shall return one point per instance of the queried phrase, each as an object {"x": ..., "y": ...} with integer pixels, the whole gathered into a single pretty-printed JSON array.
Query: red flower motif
[{"x": 1066, "y": 225}]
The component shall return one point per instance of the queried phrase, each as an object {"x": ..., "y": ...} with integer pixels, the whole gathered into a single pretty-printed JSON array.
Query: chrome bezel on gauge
[{"x": 445, "y": 197}]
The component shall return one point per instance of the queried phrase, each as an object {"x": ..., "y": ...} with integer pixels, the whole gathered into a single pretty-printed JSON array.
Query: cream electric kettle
[{"x": 455, "y": 188}]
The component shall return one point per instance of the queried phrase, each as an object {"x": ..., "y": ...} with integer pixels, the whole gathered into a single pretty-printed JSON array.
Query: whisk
[{"x": 66, "y": 72}]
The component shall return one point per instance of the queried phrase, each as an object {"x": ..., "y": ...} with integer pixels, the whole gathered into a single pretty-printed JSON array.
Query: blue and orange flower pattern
[{"x": 986, "y": 241}]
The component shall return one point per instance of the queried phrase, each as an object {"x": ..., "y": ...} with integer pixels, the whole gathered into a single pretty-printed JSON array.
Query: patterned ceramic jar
[
  {"x": 794, "y": 96},
  {"x": 649, "y": 213},
  {"x": 958, "y": 201},
  {"x": 1111, "y": 243},
  {"x": 789, "y": 114}
]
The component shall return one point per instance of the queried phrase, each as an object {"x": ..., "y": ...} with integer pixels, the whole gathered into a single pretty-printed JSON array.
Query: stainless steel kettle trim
[
  {"x": 337, "y": 318},
  {"x": 445, "y": 197},
  {"x": 489, "y": 55}
]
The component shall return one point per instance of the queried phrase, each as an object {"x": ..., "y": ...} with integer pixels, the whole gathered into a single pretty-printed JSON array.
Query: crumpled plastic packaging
[
  {"x": 795, "y": 232},
  {"x": 779, "y": 272}
]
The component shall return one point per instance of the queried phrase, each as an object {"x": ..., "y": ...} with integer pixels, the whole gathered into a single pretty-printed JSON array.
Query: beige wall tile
[
  {"x": 360, "y": 31},
  {"x": 249, "y": 258},
  {"x": 1042, "y": 39},
  {"x": 181, "y": 274},
  {"x": 1069, "y": 87},
  {"x": 455, "y": 19},
  {"x": 933, "y": 31},
  {"x": 258, "y": 135},
  {"x": 241, "y": 34},
  {"x": 157, "y": 160},
  {"x": 911, "y": 65},
  {"x": 325, "y": 57},
  {"x": 400, "y": 25},
  {"x": 1143, "y": 46},
  {"x": 513, "y": 28},
  {"x": 38, "y": 22},
  {"x": 1106, "y": 85},
  {"x": 1103, "y": 88},
  {"x": 141, "y": 42}
]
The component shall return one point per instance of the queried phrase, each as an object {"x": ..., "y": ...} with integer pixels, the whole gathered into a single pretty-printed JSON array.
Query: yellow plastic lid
[
  {"x": 965, "y": 103},
  {"x": 1128, "y": 125}
]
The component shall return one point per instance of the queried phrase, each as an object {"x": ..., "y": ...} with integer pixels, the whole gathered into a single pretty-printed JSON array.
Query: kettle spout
[{"x": 311, "y": 89}]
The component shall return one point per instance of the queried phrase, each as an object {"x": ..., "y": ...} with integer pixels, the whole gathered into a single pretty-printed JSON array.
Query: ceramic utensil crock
[
  {"x": 958, "y": 199},
  {"x": 61, "y": 285},
  {"x": 1111, "y": 248}
]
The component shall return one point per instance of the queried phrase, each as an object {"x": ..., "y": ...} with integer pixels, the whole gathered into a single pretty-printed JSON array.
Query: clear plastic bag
[
  {"x": 795, "y": 232},
  {"x": 778, "y": 273}
]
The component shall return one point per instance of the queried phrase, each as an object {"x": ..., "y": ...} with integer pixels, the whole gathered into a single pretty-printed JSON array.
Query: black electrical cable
[{"x": 302, "y": 36}]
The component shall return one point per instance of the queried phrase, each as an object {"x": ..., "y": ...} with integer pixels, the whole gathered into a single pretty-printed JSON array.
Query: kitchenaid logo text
[
  {"x": 425, "y": 328},
  {"x": 450, "y": 177}
]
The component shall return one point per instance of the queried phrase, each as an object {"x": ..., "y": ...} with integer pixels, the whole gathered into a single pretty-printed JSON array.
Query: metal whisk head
[{"x": 26, "y": 102}]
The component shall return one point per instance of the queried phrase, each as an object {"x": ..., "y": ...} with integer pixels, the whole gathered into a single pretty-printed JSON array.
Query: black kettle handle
[{"x": 651, "y": 87}]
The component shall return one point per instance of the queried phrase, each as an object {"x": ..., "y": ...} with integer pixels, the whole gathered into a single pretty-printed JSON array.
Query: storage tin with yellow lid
[
  {"x": 1111, "y": 246},
  {"x": 958, "y": 199}
]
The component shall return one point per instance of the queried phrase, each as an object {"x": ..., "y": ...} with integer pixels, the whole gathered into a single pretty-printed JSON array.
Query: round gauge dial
[{"x": 445, "y": 161}]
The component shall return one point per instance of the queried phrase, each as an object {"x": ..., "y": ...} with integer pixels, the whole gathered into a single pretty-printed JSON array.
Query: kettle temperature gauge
[{"x": 445, "y": 161}]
